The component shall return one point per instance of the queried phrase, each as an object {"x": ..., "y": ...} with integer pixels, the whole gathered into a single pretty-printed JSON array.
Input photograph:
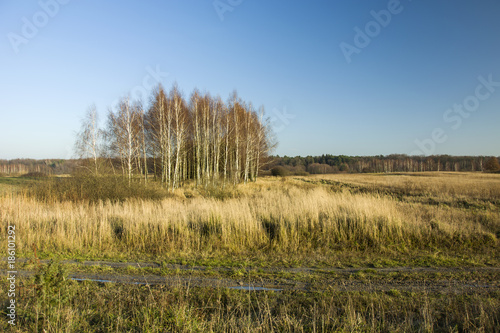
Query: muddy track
[
  {"x": 347, "y": 270},
  {"x": 311, "y": 279},
  {"x": 430, "y": 286}
]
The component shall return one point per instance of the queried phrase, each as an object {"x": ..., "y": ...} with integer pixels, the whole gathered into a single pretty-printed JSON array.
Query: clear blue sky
[{"x": 289, "y": 56}]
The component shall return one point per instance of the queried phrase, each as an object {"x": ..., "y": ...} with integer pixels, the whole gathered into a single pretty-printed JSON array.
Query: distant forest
[
  {"x": 295, "y": 165},
  {"x": 26, "y": 166},
  {"x": 378, "y": 164}
]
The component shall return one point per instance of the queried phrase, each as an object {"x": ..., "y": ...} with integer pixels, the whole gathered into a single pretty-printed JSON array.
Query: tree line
[
  {"x": 391, "y": 163},
  {"x": 46, "y": 166},
  {"x": 296, "y": 165},
  {"x": 174, "y": 139}
]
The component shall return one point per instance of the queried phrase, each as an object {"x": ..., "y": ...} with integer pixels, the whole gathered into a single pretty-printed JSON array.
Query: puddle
[
  {"x": 93, "y": 280},
  {"x": 252, "y": 288},
  {"x": 249, "y": 288},
  {"x": 106, "y": 281}
]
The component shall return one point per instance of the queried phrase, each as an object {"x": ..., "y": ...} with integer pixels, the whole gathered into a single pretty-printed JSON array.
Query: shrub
[
  {"x": 492, "y": 165},
  {"x": 218, "y": 191},
  {"x": 298, "y": 170},
  {"x": 263, "y": 173},
  {"x": 279, "y": 171},
  {"x": 52, "y": 291},
  {"x": 94, "y": 188},
  {"x": 35, "y": 175},
  {"x": 317, "y": 168},
  {"x": 344, "y": 167}
]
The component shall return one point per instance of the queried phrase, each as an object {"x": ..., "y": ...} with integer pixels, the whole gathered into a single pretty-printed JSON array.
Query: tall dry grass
[{"x": 288, "y": 216}]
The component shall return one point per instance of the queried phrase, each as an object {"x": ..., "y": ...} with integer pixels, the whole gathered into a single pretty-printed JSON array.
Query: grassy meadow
[{"x": 339, "y": 221}]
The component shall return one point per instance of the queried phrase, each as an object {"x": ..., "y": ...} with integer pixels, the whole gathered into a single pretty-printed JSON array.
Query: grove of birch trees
[{"x": 174, "y": 140}]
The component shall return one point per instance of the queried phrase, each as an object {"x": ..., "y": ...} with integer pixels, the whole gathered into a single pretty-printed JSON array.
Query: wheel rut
[{"x": 443, "y": 280}]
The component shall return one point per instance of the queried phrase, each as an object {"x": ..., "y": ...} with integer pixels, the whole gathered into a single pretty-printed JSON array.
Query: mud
[
  {"x": 456, "y": 280},
  {"x": 348, "y": 270}
]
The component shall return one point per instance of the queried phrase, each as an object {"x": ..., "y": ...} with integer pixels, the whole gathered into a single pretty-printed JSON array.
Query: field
[{"x": 346, "y": 252}]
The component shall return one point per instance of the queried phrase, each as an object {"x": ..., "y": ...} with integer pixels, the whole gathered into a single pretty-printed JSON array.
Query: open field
[{"x": 354, "y": 252}]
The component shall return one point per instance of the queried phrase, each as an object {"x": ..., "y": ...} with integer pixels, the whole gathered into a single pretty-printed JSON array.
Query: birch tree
[
  {"x": 227, "y": 130},
  {"x": 235, "y": 106},
  {"x": 88, "y": 143},
  {"x": 142, "y": 158},
  {"x": 196, "y": 116},
  {"x": 248, "y": 141},
  {"x": 160, "y": 128},
  {"x": 218, "y": 111},
  {"x": 124, "y": 133},
  {"x": 179, "y": 112},
  {"x": 204, "y": 139}
]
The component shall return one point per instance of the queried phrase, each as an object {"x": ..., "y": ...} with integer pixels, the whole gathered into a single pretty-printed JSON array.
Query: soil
[{"x": 441, "y": 280}]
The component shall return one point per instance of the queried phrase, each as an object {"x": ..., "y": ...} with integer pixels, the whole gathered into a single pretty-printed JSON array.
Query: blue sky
[{"x": 396, "y": 94}]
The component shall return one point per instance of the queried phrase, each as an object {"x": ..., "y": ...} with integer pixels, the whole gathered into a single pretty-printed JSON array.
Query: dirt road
[{"x": 456, "y": 280}]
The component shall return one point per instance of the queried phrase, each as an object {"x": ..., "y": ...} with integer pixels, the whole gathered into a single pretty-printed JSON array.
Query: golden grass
[
  {"x": 294, "y": 215},
  {"x": 436, "y": 184}
]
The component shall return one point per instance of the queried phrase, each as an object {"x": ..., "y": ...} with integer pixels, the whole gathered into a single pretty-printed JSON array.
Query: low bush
[
  {"x": 89, "y": 188},
  {"x": 218, "y": 191},
  {"x": 279, "y": 171},
  {"x": 263, "y": 173},
  {"x": 35, "y": 175}
]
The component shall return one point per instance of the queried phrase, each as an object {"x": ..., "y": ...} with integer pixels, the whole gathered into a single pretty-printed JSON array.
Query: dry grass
[
  {"x": 436, "y": 184},
  {"x": 301, "y": 215},
  {"x": 310, "y": 218}
]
